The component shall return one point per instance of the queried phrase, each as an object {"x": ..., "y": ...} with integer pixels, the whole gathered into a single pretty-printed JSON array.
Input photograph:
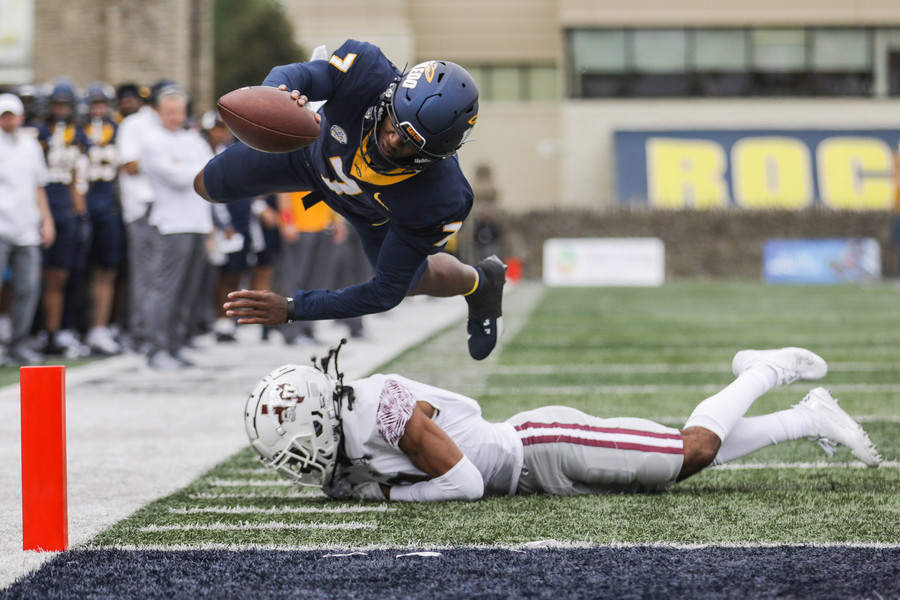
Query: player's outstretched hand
[
  {"x": 301, "y": 99},
  {"x": 256, "y": 307}
]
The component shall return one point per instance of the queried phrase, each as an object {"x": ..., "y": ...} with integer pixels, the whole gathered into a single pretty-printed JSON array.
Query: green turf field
[{"x": 651, "y": 353}]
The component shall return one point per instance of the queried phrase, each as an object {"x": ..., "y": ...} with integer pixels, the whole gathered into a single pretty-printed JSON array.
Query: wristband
[
  {"x": 287, "y": 217},
  {"x": 291, "y": 311}
]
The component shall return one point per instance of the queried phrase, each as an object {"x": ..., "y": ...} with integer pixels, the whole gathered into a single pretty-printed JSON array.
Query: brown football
[{"x": 268, "y": 119}]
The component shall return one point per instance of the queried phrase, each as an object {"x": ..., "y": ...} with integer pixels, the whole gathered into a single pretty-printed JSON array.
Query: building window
[
  {"x": 517, "y": 83},
  {"x": 725, "y": 62}
]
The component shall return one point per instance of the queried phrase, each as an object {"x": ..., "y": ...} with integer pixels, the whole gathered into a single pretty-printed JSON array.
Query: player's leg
[
  {"x": 242, "y": 172},
  {"x": 482, "y": 287},
  {"x": 757, "y": 372},
  {"x": 107, "y": 253},
  {"x": 570, "y": 452},
  {"x": 818, "y": 416}
]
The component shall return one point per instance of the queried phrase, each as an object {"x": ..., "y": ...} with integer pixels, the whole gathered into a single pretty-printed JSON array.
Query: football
[{"x": 268, "y": 119}]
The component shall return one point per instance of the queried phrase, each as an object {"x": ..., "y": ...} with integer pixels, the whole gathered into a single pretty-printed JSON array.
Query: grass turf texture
[
  {"x": 651, "y": 353},
  {"x": 611, "y": 351}
]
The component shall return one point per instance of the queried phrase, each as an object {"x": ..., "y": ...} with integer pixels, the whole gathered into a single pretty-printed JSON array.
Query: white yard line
[
  {"x": 273, "y": 526},
  {"x": 803, "y": 465},
  {"x": 642, "y": 368},
  {"x": 279, "y": 510},
  {"x": 534, "y": 545}
]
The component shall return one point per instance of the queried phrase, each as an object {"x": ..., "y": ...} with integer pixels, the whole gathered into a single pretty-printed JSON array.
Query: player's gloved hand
[{"x": 370, "y": 490}]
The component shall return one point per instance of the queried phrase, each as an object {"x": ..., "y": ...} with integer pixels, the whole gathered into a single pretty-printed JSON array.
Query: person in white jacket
[
  {"x": 26, "y": 223},
  {"x": 170, "y": 158}
]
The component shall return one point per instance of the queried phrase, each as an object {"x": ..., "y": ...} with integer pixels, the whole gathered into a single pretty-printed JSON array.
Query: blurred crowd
[{"x": 106, "y": 248}]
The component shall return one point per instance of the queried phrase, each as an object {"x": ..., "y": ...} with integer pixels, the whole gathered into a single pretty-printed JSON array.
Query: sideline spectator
[
  {"x": 308, "y": 256},
  {"x": 64, "y": 144},
  {"x": 246, "y": 240},
  {"x": 487, "y": 231},
  {"x": 26, "y": 223},
  {"x": 136, "y": 197},
  {"x": 170, "y": 158},
  {"x": 107, "y": 247}
]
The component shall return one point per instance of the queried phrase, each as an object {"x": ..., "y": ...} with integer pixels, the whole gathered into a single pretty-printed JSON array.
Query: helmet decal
[{"x": 433, "y": 108}]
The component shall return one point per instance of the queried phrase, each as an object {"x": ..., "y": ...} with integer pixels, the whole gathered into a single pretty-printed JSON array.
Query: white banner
[
  {"x": 604, "y": 262},
  {"x": 16, "y": 40}
]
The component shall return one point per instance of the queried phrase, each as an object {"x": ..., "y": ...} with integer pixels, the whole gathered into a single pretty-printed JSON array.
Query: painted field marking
[
  {"x": 518, "y": 547},
  {"x": 634, "y": 368},
  {"x": 287, "y": 495},
  {"x": 352, "y": 525},
  {"x": 249, "y": 482},
  {"x": 278, "y": 510},
  {"x": 576, "y": 390},
  {"x": 803, "y": 465}
]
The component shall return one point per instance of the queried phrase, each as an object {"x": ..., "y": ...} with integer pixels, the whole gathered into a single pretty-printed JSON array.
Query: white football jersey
[{"x": 383, "y": 406}]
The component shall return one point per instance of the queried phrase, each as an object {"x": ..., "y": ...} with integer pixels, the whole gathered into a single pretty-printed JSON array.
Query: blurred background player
[
  {"x": 107, "y": 248},
  {"x": 26, "y": 224},
  {"x": 65, "y": 145},
  {"x": 129, "y": 99},
  {"x": 309, "y": 257},
  {"x": 247, "y": 241},
  {"x": 170, "y": 158}
]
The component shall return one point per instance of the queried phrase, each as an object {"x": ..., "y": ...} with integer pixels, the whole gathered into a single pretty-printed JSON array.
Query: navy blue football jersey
[
  {"x": 64, "y": 146},
  {"x": 425, "y": 208},
  {"x": 401, "y": 218},
  {"x": 102, "y": 167}
]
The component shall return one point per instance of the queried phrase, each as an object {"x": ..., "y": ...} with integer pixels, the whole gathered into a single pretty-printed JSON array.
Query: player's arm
[
  {"x": 433, "y": 452},
  {"x": 311, "y": 79}
]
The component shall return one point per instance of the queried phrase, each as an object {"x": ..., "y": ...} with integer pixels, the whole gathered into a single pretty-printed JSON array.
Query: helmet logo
[
  {"x": 412, "y": 78},
  {"x": 473, "y": 119},
  {"x": 285, "y": 398}
]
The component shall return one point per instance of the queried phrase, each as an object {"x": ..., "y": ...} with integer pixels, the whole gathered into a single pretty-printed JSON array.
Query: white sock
[
  {"x": 721, "y": 412},
  {"x": 754, "y": 433}
]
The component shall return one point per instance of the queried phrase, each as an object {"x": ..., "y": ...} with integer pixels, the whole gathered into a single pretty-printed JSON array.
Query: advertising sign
[
  {"x": 827, "y": 261},
  {"x": 16, "y": 38},
  {"x": 604, "y": 262},
  {"x": 757, "y": 169}
]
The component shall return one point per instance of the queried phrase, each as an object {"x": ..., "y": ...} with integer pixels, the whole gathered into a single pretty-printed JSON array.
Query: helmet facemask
[
  {"x": 371, "y": 150},
  {"x": 292, "y": 420}
]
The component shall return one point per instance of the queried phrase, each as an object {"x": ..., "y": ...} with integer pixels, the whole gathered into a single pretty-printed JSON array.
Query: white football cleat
[
  {"x": 837, "y": 427},
  {"x": 790, "y": 364}
]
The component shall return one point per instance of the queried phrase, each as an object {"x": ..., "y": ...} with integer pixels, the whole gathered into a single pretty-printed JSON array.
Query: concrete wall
[
  {"x": 126, "y": 40},
  {"x": 724, "y": 244}
]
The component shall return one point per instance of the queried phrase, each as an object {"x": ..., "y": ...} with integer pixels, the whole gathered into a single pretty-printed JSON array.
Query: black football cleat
[{"x": 485, "y": 324}]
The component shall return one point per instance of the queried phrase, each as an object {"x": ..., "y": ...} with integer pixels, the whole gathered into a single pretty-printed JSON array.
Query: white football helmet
[{"x": 293, "y": 424}]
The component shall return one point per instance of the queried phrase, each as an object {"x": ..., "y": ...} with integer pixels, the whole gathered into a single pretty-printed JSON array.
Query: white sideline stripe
[
  {"x": 279, "y": 510},
  {"x": 537, "y": 545},
  {"x": 804, "y": 465},
  {"x": 352, "y": 525},
  {"x": 572, "y": 390},
  {"x": 627, "y": 368},
  {"x": 249, "y": 482}
]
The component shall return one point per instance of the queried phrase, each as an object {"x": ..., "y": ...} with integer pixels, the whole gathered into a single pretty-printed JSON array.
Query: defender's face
[{"x": 390, "y": 142}]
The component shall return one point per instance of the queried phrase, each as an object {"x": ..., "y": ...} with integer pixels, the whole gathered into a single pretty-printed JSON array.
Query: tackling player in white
[{"x": 387, "y": 437}]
